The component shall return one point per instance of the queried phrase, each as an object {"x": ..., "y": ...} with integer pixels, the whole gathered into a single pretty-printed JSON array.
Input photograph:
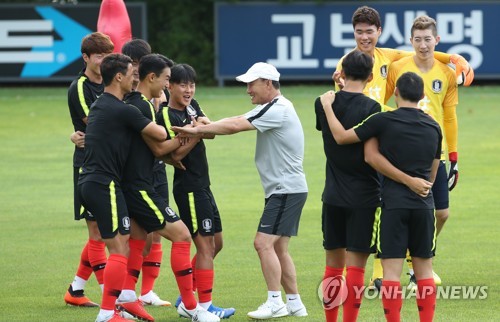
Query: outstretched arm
[
  {"x": 379, "y": 162},
  {"x": 230, "y": 125}
]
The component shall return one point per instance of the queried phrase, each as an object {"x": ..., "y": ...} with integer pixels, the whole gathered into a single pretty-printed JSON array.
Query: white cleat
[
  {"x": 197, "y": 314},
  {"x": 269, "y": 310},
  {"x": 151, "y": 298},
  {"x": 296, "y": 311}
]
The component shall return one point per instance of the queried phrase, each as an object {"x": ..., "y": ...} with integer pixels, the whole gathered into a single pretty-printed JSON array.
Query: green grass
[{"x": 40, "y": 243}]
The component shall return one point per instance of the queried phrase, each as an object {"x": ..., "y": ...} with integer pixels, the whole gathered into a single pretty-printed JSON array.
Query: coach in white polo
[{"x": 278, "y": 156}]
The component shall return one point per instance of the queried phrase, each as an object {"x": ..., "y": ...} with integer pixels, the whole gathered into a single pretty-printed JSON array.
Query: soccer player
[
  {"x": 153, "y": 252},
  {"x": 351, "y": 197},
  {"x": 410, "y": 146},
  {"x": 440, "y": 101},
  {"x": 191, "y": 187},
  {"x": 367, "y": 29},
  {"x": 82, "y": 92},
  {"x": 278, "y": 156}
]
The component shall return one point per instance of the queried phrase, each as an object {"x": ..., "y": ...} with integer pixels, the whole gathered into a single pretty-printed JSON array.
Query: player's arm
[
  {"x": 155, "y": 137},
  {"x": 227, "y": 126},
  {"x": 339, "y": 133},
  {"x": 380, "y": 163},
  {"x": 450, "y": 124}
]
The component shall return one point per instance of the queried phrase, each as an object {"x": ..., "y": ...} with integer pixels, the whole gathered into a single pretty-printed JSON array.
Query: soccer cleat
[
  {"x": 78, "y": 298},
  {"x": 375, "y": 284},
  {"x": 296, "y": 311},
  {"x": 178, "y": 301},
  {"x": 269, "y": 310},
  {"x": 412, "y": 284},
  {"x": 135, "y": 309},
  {"x": 116, "y": 317},
  {"x": 151, "y": 298},
  {"x": 437, "y": 279},
  {"x": 198, "y": 314},
  {"x": 220, "y": 312}
]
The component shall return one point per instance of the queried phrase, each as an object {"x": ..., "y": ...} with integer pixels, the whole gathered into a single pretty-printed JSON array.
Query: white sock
[
  {"x": 294, "y": 300},
  {"x": 105, "y": 314},
  {"x": 274, "y": 296},
  {"x": 78, "y": 283},
  {"x": 206, "y": 305},
  {"x": 102, "y": 287},
  {"x": 127, "y": 296}
]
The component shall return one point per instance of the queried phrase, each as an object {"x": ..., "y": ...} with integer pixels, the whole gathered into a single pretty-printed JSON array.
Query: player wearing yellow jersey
[{"x": 440, "y": 101}]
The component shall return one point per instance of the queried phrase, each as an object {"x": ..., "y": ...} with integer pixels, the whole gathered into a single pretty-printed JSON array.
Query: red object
[{"x": 114, "y": 21}]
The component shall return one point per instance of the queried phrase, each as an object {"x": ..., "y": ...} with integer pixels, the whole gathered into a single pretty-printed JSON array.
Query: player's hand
[
  {"x": 462, "y": 68},
  {"x": 327, "y": 99},
  {"x": 185, "y": 131},
  {"x": 420, "y": 186},
  {"x": 78, "y": 138},
  {"x": 453, "y": 174},
  {"x": 337, "y": 79},
  {"x": 203, "y": 120}
]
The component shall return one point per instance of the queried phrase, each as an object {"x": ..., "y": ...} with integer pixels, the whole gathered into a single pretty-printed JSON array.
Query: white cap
[{"x": 259, "y": 70}]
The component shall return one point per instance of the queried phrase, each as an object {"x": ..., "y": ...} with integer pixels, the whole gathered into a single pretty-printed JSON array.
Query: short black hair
[
  {"x": 410, "y": 87},
  {"x": 182, "y": 73},
  {"x": 357, "y": 65},
  {"x": 113, "y": 64},
  {"x": 136, "y": 49},
  {"x": 153, "y": 63}
]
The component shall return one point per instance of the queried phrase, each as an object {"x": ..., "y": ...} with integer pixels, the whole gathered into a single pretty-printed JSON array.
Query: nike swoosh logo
[
  {"x": 276, "y": 311},
  {"x": 293, "y": 312},
  {"x": 265, "y": 226},
  {"x": 188, "y": 314}
]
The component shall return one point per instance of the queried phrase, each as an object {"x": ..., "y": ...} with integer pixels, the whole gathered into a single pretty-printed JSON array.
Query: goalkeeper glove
[
  {"x": 453, "y": 174},
  {"x": 463, "y": 69}
]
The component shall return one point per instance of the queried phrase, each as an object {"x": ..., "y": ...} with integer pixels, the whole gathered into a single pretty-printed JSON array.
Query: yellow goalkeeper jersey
[
  {"x": 441, "y": 95},
  {"x": 383, "y": 58}
]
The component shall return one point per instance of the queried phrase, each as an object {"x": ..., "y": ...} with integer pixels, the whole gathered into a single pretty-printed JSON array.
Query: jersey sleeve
[
  {"x": 80, "y": 98},
  {"x": 450, "y": 121},
  {"x": 391, "y": 82},
  {"x": 319, "y": 112},
  {"x": 395, "y": 54},
  {"x": 267, "y": 117},
  {"x": 370, "y": 127},
  {"x": 134, "y": 118},
  {"x": 163, "y": 119}
]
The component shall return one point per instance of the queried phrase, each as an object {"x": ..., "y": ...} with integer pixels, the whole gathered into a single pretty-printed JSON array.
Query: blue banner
[{"x": 305, "y": 41}]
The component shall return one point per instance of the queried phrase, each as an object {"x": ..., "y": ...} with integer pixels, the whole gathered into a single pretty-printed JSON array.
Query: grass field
[{"x": 40, "y": 243}]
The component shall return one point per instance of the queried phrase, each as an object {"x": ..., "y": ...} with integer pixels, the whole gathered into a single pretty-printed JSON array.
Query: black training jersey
[
  {"x": 196, "y": 176},
  {"x": 410, "y": 140},
  {"x": 111, "y": 124},
  {"x": 138, "y": 172},
  {"x": 350, "y": 181},
  {"x": 81, "y": 94}
]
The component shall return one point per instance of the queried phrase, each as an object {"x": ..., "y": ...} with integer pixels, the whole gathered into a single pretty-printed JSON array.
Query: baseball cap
[{"x": 259, "y": 70}]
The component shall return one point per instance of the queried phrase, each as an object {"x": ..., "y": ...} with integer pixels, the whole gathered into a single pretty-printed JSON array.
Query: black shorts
[
  {"x": 351, "y": 228},
  {"x": 440, "y": 189},
  {"x": 282, "y": 213},
  {"x": 107, "y": 204},
  {"x": 149, "y": 209},
  {"x": 402, "y": 229},
  {"x": 79, "y": 210},
  {"x": 199, "y": 211},
  {"x": 160, "y": 182}
]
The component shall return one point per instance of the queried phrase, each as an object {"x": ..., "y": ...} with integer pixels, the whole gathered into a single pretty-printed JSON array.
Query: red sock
[
  {"x": 355, "y": 278},
  {"x": 151, "y": 268},
  {"x": 193, "y": 265},
  {"x": 84, "y": 269},
  {"x": 114, "y": 275},
  {"x": 426, "y": 299},
  {"x": 134, "y": 263},
  {"x": 392, "y": 300},
  {"x": 181, "y": 266},
  {"x": 97, "y": 258},
  {"x": 205, "y": 282},
  {"x": 331, "y": 311}
]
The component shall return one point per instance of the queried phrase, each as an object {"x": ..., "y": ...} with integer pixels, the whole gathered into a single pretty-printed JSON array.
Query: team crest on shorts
[
  {"x": 437, "y": 86},
  {"x": 170, "y": 212},
  {"x": 383, "y": 71},
  {"x": 126, "y": 223},
  {"x": 207, "y": 224}
]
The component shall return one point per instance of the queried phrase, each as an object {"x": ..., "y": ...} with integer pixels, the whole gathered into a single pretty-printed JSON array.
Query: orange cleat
[
  {"x": 136, "y": 309},
  {"x": 78, "y": 298}
]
